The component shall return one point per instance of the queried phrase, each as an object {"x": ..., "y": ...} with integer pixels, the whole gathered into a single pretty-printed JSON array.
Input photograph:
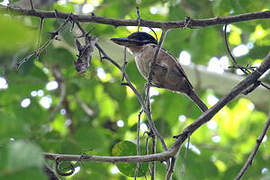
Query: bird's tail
[{"x": 195, "y": 98}]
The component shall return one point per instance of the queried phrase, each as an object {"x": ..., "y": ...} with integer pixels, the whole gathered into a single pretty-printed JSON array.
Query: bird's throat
[{"x": 135, "y": 50}]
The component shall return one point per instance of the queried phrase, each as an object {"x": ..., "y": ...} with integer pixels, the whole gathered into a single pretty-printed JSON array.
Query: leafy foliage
[
  {"x": 127, "y": 148},
  {"x": 219, "y": 148}
]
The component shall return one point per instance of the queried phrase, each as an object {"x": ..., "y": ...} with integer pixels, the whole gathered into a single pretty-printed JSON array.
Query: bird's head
[{"x": 135, "y": 41}]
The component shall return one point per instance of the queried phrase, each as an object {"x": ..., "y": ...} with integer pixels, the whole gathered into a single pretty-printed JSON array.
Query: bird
[{"x": 167, "y": 72}]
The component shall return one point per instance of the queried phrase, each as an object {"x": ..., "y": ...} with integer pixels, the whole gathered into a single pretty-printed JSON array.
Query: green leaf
[
  {"x": 59, "y": 124},
  {"x": 3, "y": 157},
  {"x": 58, "y": 56},
  {"x": 31, "y": 173},
  {"x": 106, "y": 105},
  {"x": 163, "y": 127},
  {"x": 89, "y": 138},
  {"x": 26, "y": 174},
  {"x": 14, "y": 35},
  {"x": 222, "y": 7},
  {"x": 23, "y": 155},
  {"x": 97, "y": 171},
  {"x": 127, "y": 148},
  {"x": 66, "y": 7},
  {"x": 197, "y": 166},
  {"x": 201, "y": 53},
  {"x": 258, "y": 52},
  {"x": 11, "y": 127},
  {"x": 13, "y": 1}
]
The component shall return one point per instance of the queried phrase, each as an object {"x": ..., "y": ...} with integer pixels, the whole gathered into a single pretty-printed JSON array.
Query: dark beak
[{"x": 125, "y": 41}]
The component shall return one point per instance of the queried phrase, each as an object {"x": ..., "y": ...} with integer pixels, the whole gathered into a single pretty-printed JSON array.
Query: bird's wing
[{"x": 177, "y": 65}]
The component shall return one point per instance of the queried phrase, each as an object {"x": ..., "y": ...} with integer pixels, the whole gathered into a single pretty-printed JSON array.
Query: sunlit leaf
[
  {"x": 68, "y": 7},
  {"x": 234, "y": 38},
  {"x": 59, "y": 124}
]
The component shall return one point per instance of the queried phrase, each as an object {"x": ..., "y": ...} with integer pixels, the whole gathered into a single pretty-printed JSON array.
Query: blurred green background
[{"x": 97, "y": 112}]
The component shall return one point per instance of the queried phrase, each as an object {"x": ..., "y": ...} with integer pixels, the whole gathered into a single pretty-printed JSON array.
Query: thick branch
[{"x": 134, "y": 22}]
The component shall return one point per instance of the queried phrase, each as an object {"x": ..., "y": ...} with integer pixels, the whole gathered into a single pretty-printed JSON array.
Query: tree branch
[
  {"x": 113, "y": 159},
  {"x": 31, "y": 4},
  {"x": 50, "y": 173},
  {"x": 244, "y": 84},
  {"x": 84, "y": 106},
  {"x": 134, "y": 22},
  {"x": 253, "y": 153}
]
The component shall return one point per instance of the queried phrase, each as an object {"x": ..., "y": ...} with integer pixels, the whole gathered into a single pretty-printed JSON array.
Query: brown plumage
[{"x": 167, "y": 72}]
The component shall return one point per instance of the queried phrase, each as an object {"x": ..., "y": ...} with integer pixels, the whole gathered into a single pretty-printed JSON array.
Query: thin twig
[
  {"x": 107, "y": 57},
  {"x": 84, "y": 106},
  {"x": 256, "y": 148},
  {"x": 37, "y": 52},
  {"x": 24, "y": 60},
  {"x": 154, "y": 151},
  {"x": 50, "y": 173},
  {"x": 147, "y": 145},
  {"x": 185, "y": 158},
  {"x": 40, "y": 31},
  {"x": 153, "y": 63},
  {"x": 31, "y": 4},
  {"x": 156, "y": 37},
  {"x": 235, "y": 64},
  {"x": 138, "y": 143},
  {"x": 171, "y": 169},
  {"x": 264, "y": 85},
  {"x": 124, "y": 63},
  {"x": 138, "y": 18}
]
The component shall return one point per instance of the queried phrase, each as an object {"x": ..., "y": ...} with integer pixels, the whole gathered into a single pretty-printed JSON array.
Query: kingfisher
[{"x": 167, "y": 72}]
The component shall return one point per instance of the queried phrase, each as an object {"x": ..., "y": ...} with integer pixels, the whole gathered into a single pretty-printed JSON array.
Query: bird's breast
[
  {"x": 143, "y": 60},
  {"x": 143, "y": 63}
]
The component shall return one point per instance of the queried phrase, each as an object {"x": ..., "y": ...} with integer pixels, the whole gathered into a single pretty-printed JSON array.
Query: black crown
[{"x": 142, "y": 37}]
